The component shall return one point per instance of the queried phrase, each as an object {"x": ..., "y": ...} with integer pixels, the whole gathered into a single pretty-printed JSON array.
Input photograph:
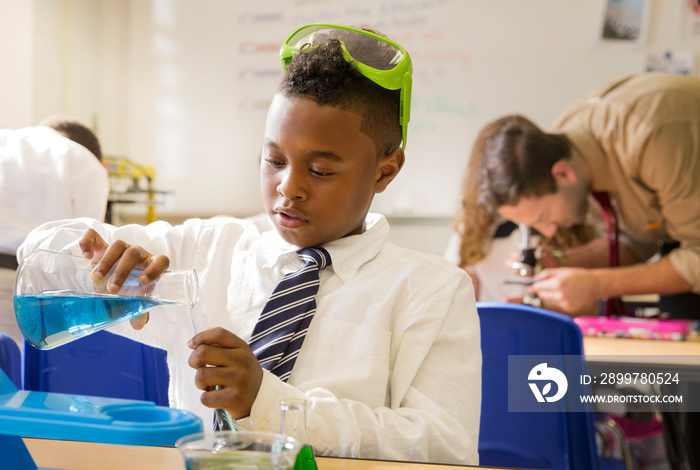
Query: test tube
[{"x": 200, "y": 323}]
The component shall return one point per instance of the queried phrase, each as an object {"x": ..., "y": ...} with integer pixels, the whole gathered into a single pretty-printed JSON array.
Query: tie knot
[{"x": 316, "y": 255}]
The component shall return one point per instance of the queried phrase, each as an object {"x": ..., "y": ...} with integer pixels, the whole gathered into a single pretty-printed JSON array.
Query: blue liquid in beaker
[{"x": 52, "y": 318}]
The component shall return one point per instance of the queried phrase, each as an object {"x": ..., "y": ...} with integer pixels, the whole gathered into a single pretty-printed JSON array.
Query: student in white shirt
[
  {"x": 391, "y": 365},
  {"x": 48, "y": 172}
]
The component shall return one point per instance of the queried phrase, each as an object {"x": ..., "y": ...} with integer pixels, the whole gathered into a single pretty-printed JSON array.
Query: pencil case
[{"x": 640, "y": 328}]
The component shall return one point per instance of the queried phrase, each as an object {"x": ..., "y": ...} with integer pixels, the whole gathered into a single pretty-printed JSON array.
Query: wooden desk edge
[
  {"x": 658, "y": 351},
  {"x": 73, "y": 455}
]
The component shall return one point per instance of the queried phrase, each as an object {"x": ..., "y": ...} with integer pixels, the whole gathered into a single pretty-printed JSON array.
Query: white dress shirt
[
  {"x": 391, "y": 365},
  {"x": 43, "y": 176}
]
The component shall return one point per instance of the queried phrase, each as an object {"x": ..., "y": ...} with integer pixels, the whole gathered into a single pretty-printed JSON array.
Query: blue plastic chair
[
  {"x": 102, "y": 365},
  {"x": 541, "y": 440},
  {"x": 10, "y": 359}
]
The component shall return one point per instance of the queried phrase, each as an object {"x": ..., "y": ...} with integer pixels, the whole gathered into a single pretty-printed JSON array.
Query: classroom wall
[
  {"x": 16, "y": 63},
  {"x": 183, "y": 85},
  {"x": 199, "y": 100}
]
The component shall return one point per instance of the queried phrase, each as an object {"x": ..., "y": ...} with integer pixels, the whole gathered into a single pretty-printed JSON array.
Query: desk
[
  {"x": 70, "y": 455},
  {"x": 646, "y": 355},
  {"x": 688, "y": 350},
  {"x": 681, "y": 429}
]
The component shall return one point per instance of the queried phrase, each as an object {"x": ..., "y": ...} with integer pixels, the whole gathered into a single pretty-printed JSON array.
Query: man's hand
[{"x": 569, "y": 289}]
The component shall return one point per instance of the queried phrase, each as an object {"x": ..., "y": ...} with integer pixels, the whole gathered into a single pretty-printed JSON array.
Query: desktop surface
[
  {"x": 622, "y": 350},
  {"x": 72, "y": 455}
]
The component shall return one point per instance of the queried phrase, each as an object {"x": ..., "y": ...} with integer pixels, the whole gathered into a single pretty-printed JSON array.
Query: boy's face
[{"x": 318, "y": 172}]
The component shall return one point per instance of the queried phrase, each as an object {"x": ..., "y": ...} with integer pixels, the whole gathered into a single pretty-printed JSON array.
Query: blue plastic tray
[{"x": 49, "y": 415}]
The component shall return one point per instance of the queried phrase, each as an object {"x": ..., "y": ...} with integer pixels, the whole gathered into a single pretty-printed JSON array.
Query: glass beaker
[
  {"x": 56, "y": 300},
  {"x": 239, "y": 449},
  {"x": 293, "y": 423}
]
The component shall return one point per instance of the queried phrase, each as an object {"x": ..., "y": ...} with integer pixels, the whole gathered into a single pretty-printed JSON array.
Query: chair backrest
[
  {"x": 544, "y": 440},
  {"x": 102, "y": 364},
  {"x": 11, "y": 359}
]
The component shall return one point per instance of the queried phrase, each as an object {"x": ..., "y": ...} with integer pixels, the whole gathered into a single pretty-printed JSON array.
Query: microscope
[{"x": 524, "y": 268}]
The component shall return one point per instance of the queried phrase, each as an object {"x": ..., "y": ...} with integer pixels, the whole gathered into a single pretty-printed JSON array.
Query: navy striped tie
[{"x": 283, "y": 323}]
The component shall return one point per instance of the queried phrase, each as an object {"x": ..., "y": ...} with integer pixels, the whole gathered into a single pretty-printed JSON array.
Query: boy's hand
[
  {"x": 124, "y": 258},
  {"x": 236, "y": 371}
]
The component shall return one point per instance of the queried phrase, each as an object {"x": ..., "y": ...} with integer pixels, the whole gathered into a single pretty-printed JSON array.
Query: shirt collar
[
  {"x": 347, "y": 253},
  {"x": 350, "y": 253},
  {"x": 595, "y": 160}
]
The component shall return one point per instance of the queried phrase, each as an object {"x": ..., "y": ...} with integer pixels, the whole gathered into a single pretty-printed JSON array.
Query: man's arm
[
  {"x": 593, "y": 254},
  {"x": 667, "y": 165}
]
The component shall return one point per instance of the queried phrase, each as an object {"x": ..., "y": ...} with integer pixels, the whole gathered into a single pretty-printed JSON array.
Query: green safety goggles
[{"x": 383, "y": 61}]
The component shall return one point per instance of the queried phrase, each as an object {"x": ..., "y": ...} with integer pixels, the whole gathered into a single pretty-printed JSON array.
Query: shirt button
[
  {"x": 264, "y": 426},
  {"x": 344, "y": 269}
]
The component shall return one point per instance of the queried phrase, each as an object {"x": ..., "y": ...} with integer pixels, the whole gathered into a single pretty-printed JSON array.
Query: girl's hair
[{"x": 474, "y": 222}]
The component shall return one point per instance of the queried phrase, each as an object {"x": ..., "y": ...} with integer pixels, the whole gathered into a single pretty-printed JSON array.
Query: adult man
[
  {"x": 47, "y": 172},
  {"x": 636, "y": 140}
]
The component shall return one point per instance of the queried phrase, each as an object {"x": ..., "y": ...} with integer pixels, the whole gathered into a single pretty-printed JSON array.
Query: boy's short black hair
[
  {"x": 76, "y": 131},
  {"x": 323, "y": 75}
]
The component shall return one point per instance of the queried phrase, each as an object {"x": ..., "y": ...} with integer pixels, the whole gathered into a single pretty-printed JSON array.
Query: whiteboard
[{"x": 201, "y": 75}]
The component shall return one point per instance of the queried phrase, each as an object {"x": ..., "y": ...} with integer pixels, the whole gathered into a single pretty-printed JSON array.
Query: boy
[{"x": 391, "y": 363}]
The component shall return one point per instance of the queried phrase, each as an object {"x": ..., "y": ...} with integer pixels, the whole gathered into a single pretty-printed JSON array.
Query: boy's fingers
[
  {"x": 206, "y": 355},
  {"x": 215, "y": 398},
  {"x": 157, "y": 265},
  {"x": 90, "y": 242},
  {"x": 124, "y": 258},
  {"x": 207, "y": 378},
  {"x": 203, "y": 356},
  {"x": 139, "y": 322},
  {"x": 227, "y": 399},
  {"x": 108, "y": 259},
  {"x": 233, "y": 385},
  {"x": 217, "y": 336},
  {"x": 130, "y": 258}
]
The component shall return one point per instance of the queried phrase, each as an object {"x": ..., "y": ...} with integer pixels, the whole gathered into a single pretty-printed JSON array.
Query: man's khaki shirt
[{"x": 641, "y": 138}]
